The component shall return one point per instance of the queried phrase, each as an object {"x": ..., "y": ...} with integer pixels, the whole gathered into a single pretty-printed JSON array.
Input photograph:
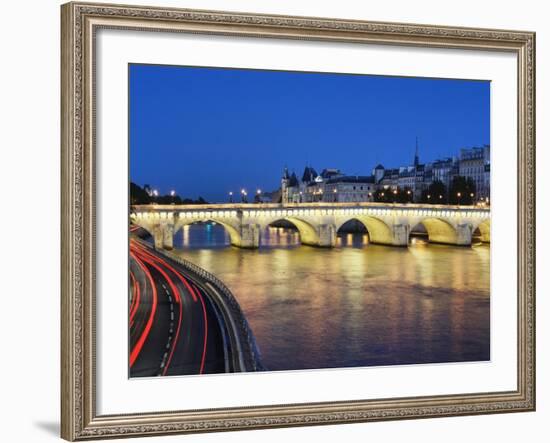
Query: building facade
[
  {"x": 334, "y": 186},
  {"x": 475, "y": 164},
  {"x": 356, "y": 188}
]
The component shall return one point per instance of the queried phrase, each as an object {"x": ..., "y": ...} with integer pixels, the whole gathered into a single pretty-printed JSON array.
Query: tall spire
[
  {"x": 285, "y": 173},
  {"x": 416, "y": 158}
]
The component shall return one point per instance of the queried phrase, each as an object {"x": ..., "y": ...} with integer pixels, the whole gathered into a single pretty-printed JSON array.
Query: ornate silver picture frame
[{"x": 80, "y": 23}]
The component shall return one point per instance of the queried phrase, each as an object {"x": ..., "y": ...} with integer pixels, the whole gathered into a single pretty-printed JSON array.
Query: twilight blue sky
[{"x": 208, "y": 131}]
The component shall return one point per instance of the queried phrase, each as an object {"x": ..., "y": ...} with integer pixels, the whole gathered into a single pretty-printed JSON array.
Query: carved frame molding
[{"x": 79, "y": 24}]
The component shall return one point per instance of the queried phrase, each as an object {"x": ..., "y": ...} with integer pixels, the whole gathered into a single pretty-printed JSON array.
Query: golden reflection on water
[{"x": 357, "y": 304}]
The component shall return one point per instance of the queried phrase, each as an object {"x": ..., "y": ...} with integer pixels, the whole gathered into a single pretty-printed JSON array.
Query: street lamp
[{"x": 230, "y": 196}]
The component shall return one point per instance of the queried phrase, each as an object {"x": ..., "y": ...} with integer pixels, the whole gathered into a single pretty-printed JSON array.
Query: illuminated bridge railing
[{"x": 312, "y": 209}]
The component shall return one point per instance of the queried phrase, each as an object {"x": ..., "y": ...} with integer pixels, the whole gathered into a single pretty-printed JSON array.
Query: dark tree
[
  {"x": 138, "y": 196},
  {"x": 168, "y": 199},
  {"x": 398, "y": 195},
  {"x": 405, "y": 195},
  {"x": 462, "y": 191},
  {"x": 435, "y": 194},
  {"x": 383, "y": 196}
]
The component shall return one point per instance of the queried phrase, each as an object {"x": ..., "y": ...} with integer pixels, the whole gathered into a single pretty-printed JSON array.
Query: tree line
[
  {"x": 462, "y": 191},
  {"x": 139, "y": 196}
]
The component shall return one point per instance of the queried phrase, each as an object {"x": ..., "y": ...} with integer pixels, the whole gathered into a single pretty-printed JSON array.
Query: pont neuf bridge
[{"x": 318, "y": 223}]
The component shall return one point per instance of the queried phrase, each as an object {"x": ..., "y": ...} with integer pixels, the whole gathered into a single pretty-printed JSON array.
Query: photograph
[{"x": 287, "y": 220}]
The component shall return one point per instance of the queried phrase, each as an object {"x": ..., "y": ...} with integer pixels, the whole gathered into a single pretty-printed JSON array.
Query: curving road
[{"x": 175, "y": 328}]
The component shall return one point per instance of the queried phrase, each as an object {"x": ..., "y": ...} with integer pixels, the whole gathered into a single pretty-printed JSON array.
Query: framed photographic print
[{"x": 282, "y": 221}]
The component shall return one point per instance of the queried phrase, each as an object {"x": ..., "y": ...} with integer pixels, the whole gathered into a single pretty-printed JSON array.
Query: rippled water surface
[{"x": 358, "y": 304}]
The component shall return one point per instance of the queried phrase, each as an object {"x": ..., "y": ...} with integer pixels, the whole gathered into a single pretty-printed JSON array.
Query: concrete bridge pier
[
  {"x": 250, "y": 236},
  {"x": 464, "y": 234},
  {"x": 400, "y": 235},
  {"x": 168, "y": 237},
  {"x": 327, "y": 236},
  {"x": 163, "y": 235},
  {"x": 158, "y": 236}
]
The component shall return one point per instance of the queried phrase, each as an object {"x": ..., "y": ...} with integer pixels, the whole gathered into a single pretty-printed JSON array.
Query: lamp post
[
  {"x": 258, "y": 195},
  {"x": 458, "y": 195},
  {"x": 230, "y": 196}
]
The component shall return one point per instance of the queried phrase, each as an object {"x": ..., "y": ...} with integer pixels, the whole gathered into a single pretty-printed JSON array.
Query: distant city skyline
[{"x": 208, "y": 131}]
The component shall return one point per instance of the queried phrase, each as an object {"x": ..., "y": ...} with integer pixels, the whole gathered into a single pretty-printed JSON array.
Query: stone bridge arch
[
  {"x": 308, "y": 233},
  {"x": 235, "y": 236},
  {"x": 379, "y": 231},
  {"x": 445, "y": 231},
  {"x": 311, "y": 234},
  {"x": 163, "y": 227},
  {"x": 484, "y": 229}
]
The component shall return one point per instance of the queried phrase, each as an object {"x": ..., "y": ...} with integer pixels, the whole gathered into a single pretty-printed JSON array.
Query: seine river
[{"x": 358, "y": 304}]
